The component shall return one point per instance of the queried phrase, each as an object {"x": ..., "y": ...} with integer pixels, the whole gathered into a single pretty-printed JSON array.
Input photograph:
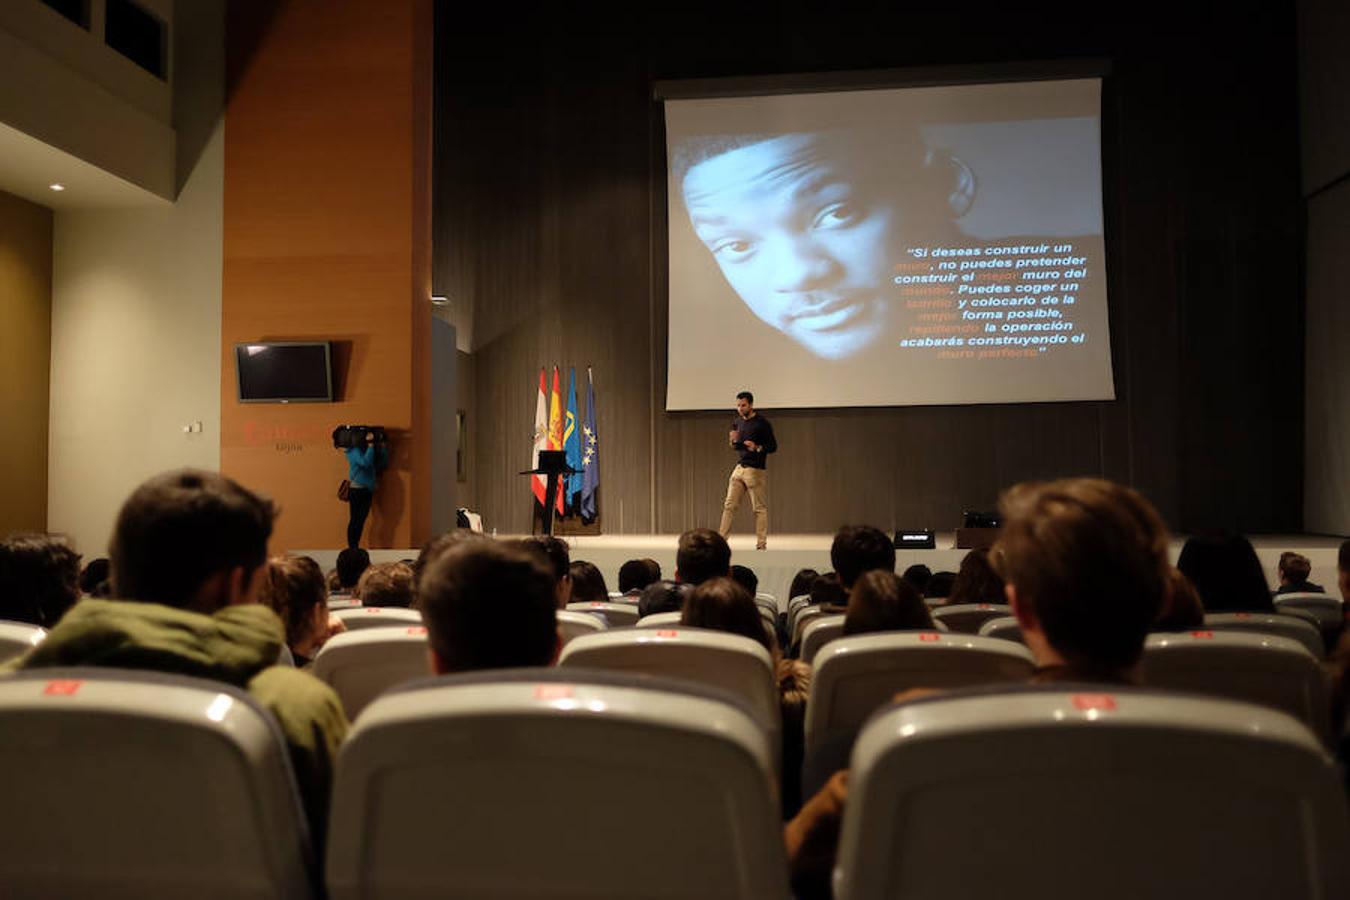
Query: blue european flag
[
  {"x": 590, "y": 455},
  {"x": 572, "y": 444}
]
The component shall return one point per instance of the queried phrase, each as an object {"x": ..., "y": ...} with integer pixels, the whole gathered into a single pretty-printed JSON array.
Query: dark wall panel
[{"x": 550, "y": 210}]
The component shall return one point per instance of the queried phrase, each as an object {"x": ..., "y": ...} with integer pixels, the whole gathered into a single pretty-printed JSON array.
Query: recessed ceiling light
[{"x": 57, "y": 187}]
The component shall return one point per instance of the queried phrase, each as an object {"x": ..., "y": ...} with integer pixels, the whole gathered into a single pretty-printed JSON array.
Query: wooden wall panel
[
  {"x": 325, "y": 237},
  {"x": 550, "y": 191}
]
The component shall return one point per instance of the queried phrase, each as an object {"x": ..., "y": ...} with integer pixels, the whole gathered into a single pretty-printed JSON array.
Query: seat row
[{"x": 564, "y": 783}]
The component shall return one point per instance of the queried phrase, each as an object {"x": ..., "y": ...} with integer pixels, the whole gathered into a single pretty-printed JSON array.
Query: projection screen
[{"x": 935, "y": 245}]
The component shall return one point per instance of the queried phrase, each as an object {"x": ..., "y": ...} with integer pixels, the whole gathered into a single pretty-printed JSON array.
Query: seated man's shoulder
[{"x": 300, "y": 702}]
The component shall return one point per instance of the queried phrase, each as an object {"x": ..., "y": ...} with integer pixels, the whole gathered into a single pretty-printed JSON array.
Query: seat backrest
[
  {"x": 1257, "y": 668},
  {"x": 343, "y": 601},
  {"x": 728, "y": 661},
  {"x": 555, "y": 784},
  {"x": 661, "y": 620},
  {"x": 1326, "y": 607},
  {"x": 1060, "y": 793},
  {"x": 360, "y": 665},
  {"x": 19, "y": 637},
  {"x": 804, "y": 617},
  {"x": 573, "y": 624},
  {"x": 817, "y": 633},
  {"x": 967, "y": 618},
  {"x": 1004, "y": 628},
  {"x": 855, "y": 675},
  {"x": 1293, "y": 627},
  {"x": 767, "y": 600},
  {"x": 617, "y": 615},
  {"x": 377, "y": 617},
  {"x": 136, "y": 784}
]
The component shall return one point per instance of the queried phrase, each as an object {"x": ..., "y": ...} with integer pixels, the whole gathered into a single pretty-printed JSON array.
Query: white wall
[{"x": 136, "y": 306}]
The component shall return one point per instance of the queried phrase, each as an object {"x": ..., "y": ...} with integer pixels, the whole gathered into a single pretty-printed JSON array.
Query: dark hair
[
  {"x": 179, "y": 529},
  {"x": 553, "y": 551},
  {"x": 386, "y": 584},
  {"x": 351, "y": 563},
  {"x": 747, "y": 397},
  {"x": 977, "y": 582},
  {"x": 1182, "y": 609},
  {"x": 746, "y": 578},
  {"x": 292, "y": 587},
  {"x": 588, "y": 582},
  {"x": 1343, "y": 556},
  {"x": 1295, "y": 567},
  {"x": 39, "y": 578},
  {"x": 723, "y": 605},
  {"x": 437, "y": 545},
  {"x": 801, "y": 583},
  {"x": 880, "y": 601},
  {"x": 940, "y": 585},
  {"x": 1226, "y": 572},
  {"x": 702, "y": 554},
  {"x": 918, "y": 576},
  {"x": 95, "y": 577},
  {"x": 636, "y": 574},
  {"x": 827, "y": 591},
  {"x": 661, "y": 596},
  {"x": 858, "y": 549},
  {"x": 1089, "y": 558},
  {"x": 488, "y": 605}
]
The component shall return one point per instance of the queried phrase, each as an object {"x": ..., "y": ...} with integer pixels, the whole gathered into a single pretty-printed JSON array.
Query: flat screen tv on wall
[{"x": 284, "y": 372}]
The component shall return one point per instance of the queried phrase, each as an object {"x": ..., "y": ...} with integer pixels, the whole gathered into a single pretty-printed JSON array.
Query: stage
[{"x": 789, "y": 553}]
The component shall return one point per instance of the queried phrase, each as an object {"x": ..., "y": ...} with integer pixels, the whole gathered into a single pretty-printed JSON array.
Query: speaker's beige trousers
[{"x": 755, "y": 482}]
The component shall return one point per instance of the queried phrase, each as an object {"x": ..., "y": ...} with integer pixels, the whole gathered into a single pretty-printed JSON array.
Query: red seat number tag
[
  {"x": 667, "y": 633},
  {"x": 417, "y": 629},
  {"x": 62, "y": 688},
  {"x": 1094, "y": 701},
  {"x": 1203, "y": 635},
  {"x": 553, "y": 691},
  {"x": 374, "y": 609},
  {"x": 930, "y": 636}
]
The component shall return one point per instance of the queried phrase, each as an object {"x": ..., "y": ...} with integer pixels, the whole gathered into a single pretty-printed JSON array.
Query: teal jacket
[{"x": 364, "y": 465}]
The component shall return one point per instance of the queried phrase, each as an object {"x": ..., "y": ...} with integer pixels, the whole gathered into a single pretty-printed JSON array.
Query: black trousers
[{"x": 358, "y": 501}]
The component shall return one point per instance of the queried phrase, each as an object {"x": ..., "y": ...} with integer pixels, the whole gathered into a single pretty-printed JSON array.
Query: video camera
[{"x": 346, "y": 437}]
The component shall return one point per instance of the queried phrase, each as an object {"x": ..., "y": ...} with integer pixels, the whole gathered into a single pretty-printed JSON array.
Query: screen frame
[{"x": 327, "y": 368}]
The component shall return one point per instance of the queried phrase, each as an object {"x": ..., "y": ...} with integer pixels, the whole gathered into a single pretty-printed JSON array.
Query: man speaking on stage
[{"x": 751, "y": 435}]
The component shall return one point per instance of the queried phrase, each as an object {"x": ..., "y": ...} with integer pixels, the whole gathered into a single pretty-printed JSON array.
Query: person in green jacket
[{"x": 188, "y": 550}]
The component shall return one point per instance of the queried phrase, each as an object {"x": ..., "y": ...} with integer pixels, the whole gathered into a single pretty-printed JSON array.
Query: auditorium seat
[
  {"x": 617, "y": 615},
  {"x": 1264, "y": 623},
  {"x": 1258, "y": 668},
  {"x": 18, "y": 637},
  {"x": 556, "y": 784},
  {"x": 573, "y": 624},
  {"x": 817, "y": 633},
  {"x": 967, "y": 618},
  {"x": 728, "y": 661},
  {"x": 137, "y": 784},
  {"x": 857, "y": 674},
  {"x": 1053, "y": 793},
  {"x": 343, "y": 601},
  {"x": 804, "y": 617},
  {"x": 1004, "y": 627},
  {"x": 768, "y": 601},
  {"x": 1326, "y": 607},
  {"x": 661, "y": 620},
  {"x": 378, "y": 616},
  {"x": 360, "y": 665}
]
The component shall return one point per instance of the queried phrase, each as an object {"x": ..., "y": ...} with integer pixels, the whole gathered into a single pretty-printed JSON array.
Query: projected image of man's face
[{"x": 801, "y": 242}]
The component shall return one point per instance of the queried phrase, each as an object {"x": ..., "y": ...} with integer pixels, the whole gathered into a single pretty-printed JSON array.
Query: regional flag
[
  {"x": 555, "y": 431},
  {"x": 572, "y": 443},
  {"x": 590, "y": 455},
  {"x": 539, "y": 483}
]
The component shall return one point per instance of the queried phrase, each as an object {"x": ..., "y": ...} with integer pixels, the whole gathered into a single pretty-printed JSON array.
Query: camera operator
[{"x": 365, "y": 462}]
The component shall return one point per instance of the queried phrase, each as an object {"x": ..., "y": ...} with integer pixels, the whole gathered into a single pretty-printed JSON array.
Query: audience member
[
  {"x": 1085, "y": 564},
  {"x": 662, "y": 597},
  {"x": 433, "y": 548},
  {"x": 95, "y": 580},
  {"x": 351, "y": 563},
  {"x": 554, "y": 554},
  {"x": 293, "y": 587},
  {"x": 386, "y": 584},
  {"x": 1182, "y": 609},
  {"x": 858, "y": 549},
  {"x": 918, "y": 576},
  {"x": 490, "y": 605},
  {"x": 636, "y": 574},
  {"x": 723, "y": 604},
  {"x": 828, "y": 594},
  {"x": 801, "y": 583},
  {"x": 333, "y": 582},
  {"x": 882, "y": 602},
  {"x": 746, "y": 578},
  {"x": 976, "y": 582},
  {"x": 39, "y": 578},
  {"x": 702, "y": 554},
  {"x": 190, "y": 548},
  {"x": 940, "y": 586},
  {"x": 588, "y": 583},
  {"x": 1226, "y": 572},
  {"x": 1294, "y": 569}
]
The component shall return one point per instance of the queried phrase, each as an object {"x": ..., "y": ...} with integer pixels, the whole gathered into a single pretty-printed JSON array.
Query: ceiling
[{"x": 29, "y": 166}]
